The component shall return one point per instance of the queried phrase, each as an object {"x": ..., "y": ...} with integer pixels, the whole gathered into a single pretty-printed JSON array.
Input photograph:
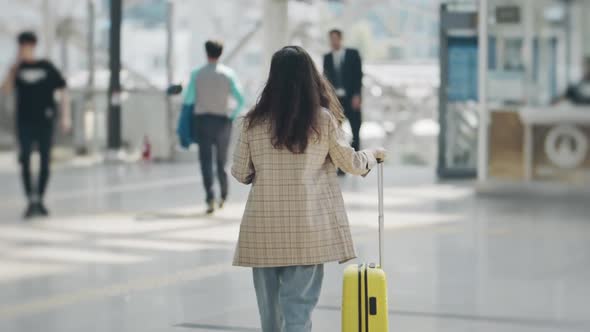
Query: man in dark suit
[{"x": 343, "y": 68}]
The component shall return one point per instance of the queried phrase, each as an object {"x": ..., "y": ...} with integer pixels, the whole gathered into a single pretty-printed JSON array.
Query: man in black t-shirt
[{"x": 35, "y": 83}]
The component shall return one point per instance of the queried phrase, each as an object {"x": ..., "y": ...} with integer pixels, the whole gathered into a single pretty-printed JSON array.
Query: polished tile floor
[{"x": 128, "y": 249}]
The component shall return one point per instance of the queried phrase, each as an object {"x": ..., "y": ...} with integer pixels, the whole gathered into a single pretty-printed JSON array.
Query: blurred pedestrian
[
  {"x": 343, "y": 68},
  {"x": 579, "y": 92},
  {"x": 289, "y": 147},
  {"x": 35, "y": 83},
  {"x": 207, "y": 118}
]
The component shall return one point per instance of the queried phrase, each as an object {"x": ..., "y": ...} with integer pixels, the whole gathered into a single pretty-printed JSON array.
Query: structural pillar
[
  {"x": 48, "y": 32},
  {"x": 482, "y": 137},
  {"x": 170, "y": 114},
  {"x": 114, "y": 94},
  {"x": 91, "y": 64},
  {"x": 276, "y": 27},
  {"x": 528, "y": 50}
]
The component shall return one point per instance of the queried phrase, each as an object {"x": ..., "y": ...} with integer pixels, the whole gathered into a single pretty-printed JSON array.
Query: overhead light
[
  {"x": 376, "y": 91},
  {"x": 554, "y": 13}
]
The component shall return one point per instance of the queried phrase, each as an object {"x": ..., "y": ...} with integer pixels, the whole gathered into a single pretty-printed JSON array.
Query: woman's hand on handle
[{"x": 380, "y": 154}]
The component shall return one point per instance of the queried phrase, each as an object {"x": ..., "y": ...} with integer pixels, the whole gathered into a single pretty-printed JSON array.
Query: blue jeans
[{"x": 287, "y": 296}]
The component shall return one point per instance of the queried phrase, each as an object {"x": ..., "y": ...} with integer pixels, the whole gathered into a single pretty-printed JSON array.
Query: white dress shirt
[{"x": 338, "y": 57}]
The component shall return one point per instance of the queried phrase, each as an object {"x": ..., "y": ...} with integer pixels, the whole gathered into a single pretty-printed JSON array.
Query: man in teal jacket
[{"x": 206, "y": 118}]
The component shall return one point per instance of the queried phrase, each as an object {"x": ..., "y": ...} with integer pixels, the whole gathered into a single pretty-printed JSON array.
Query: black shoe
[
  {"x": 30, "y": 212},
  {"x": 42, "y": 210},
  {"x": 210, "y": 207},
  {"x": 341, "y": 173}
]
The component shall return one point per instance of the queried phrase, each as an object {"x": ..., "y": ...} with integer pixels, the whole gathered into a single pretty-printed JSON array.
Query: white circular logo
[{"x": 566, "y": 146}]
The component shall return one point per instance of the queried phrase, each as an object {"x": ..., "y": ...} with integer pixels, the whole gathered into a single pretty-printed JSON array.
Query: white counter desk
[{"x": 564, "y": 113}]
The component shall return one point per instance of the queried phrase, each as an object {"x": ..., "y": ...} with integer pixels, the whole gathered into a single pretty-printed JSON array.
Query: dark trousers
[
  {"x": 29, "y": 135},
  {"x": 213, "y": 132},
  {"x": 355, "y": 119}
]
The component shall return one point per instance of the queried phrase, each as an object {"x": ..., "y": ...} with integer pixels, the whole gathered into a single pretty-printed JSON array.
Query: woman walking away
[{"x": 289, "y": 148}]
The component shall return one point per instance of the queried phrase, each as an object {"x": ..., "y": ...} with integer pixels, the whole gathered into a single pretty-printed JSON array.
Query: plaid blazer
[{"x": 295, "y": 212}]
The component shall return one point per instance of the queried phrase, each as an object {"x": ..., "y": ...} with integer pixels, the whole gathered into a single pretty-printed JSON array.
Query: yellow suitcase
[{"x": 364, "y": 288}]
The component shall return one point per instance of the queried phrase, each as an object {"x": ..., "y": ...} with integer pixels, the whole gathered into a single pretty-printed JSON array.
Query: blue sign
[{"x": 462, "y": 69}]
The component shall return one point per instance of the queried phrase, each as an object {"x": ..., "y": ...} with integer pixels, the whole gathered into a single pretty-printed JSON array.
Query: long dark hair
[{"x": 292, "y": 99}]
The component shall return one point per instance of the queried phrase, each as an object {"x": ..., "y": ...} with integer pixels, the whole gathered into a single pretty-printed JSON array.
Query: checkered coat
[{"x": 295, "y": 212}]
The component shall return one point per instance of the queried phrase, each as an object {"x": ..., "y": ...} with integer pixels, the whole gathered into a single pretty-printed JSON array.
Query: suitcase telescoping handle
[{"x": 380, "y": 189}]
